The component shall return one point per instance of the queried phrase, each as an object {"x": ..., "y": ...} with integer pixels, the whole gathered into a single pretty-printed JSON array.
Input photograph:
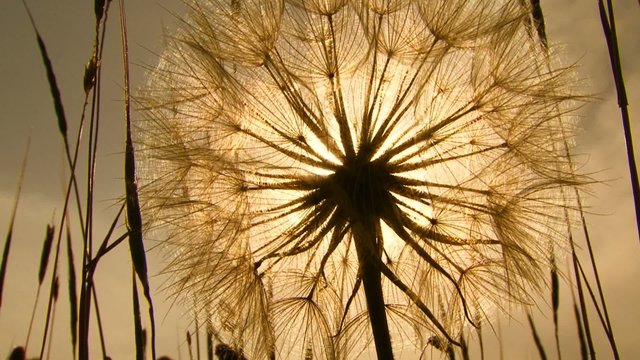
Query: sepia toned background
[{"x": 67, "y": 27}]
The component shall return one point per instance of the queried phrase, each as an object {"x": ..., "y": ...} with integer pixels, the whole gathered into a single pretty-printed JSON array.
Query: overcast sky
[{"x": 67, "y": 27}]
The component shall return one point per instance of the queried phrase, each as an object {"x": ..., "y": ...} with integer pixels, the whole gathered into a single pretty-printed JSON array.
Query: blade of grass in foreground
[
  {"x": 536, "y": 339},
  {"x": 608, "y": 24},
  {"x": 51, "y": 77},
  {"x": 581, "y": 337},
  {"x": 189, "y": 345},
  {"x": 73, "y": 294},
  {"x": 555, "y": 301},
  {"x": 607, "y": 19},
  {"x": 44, "y": 262},
  {"x": 96, "y": 308},
  {"x": 57, "y": 103},
  {"x": 134, "y": 218},
  {"x": 7, "y": 243},
  {"x": 137, "y": 320}
]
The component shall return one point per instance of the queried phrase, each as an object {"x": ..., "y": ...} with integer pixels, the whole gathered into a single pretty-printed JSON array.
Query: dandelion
[{"x": 335, "y": 176}]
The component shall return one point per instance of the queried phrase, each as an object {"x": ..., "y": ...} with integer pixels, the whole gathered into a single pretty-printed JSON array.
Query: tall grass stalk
[
  {"x": 44, "y": 260},
  {"x": 134, "y": 218},
  {"x": 89, "y": 262},
  {"x": 608, "y": 24},
  {"x": 555, "y": 304},
  {"x": 101, "y": 336},
  {"x": 137, "y": 319},
  {"x": 536, "y": 338},
  {"x": 581, "y": 336},
  {"x": 73, "y": 294},
  {"x": 14, "y": 209},
  {"x": 583, "y": 303},
  {"x": 607, "y": 19},
  {"x": 53, "y": 316}
]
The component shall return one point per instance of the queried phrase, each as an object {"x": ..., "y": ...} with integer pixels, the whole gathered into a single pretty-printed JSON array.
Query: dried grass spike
[{"x": 46, "y": 251}]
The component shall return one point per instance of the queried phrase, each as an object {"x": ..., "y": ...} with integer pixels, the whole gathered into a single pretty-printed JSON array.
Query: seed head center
[{"x": 365, "y": 186}]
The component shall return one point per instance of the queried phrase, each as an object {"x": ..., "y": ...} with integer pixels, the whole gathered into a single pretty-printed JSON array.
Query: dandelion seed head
[{"x": 296, "y": 152}]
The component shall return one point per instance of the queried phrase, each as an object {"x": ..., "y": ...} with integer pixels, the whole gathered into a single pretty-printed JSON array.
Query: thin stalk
[
  {"x": 607, "y": 19},
  {"x": 607, "y": 322},
  {"x": 55, "y": 303},
  {"x": 53, "y": 321},
  {"x": 137, "y": 319},
  {"x": 581, "y": 337},
  {"x": 536, "y": 338},
  {"x": 99, "y": 320},
  {"x": 583, "y": 307},
  {"x": 555, "y": 301},
  {"x": 73, "y": 295},
  {"x": 134, "y": 217},
  {"x": 197, "y": 332},
  {"x": 609, "y": 28},
  {"x": 33, "y": 315},
  {"x": 612, "y": 44},
  {"x": 87, "y": 281},
  {"x": 54, "y": 286},
  {"x": 189, "y": 345},
  {"x": 7, "y": 245}
]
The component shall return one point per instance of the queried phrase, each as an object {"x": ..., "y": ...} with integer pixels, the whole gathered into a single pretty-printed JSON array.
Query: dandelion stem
[{"x": 371, "y": 275}]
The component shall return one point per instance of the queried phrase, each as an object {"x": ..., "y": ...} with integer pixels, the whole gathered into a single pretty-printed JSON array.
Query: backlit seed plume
[{"x": 332, "y": 177}]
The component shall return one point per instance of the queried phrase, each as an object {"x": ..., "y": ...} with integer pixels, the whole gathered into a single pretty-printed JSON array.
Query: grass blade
[
  {"x": 197, "y": 332},
  {"x": 583, "y": 304},
  {"x": 536, "y": 339},
  {"x": 96, "y": 306},
  {"x": 44, "y": 261},
  {"x": 7, "y": 243},
  {"x": 53, "y": 317},
  {"x": 137, "y": 321},
  {"x": 610, "y": 34},
  {"x": 581, "y": 337},
  {"x": 73, "y": 294},
  {"x": 56, "y": 288},
  {"x": 134, "y": 218},
  {"x": 189, "y": 345},
  {"x": 99, "y": 9},
  {"x": 555, "y": 301}
]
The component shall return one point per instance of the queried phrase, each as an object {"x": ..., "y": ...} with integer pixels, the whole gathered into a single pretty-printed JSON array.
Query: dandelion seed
[{"x": 330, "y": 176}]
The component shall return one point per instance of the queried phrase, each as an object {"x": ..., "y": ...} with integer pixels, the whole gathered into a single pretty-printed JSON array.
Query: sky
[{"x": 26, "y": 111}]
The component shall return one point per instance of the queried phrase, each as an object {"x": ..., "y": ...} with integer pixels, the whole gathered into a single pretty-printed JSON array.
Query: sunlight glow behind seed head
[{"x": 330, "y": 174}]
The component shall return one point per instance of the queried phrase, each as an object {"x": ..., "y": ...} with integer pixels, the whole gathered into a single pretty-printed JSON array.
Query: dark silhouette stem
[
  {"x": 366, "y": 246},
  {"x": 609, "y": 27}
]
